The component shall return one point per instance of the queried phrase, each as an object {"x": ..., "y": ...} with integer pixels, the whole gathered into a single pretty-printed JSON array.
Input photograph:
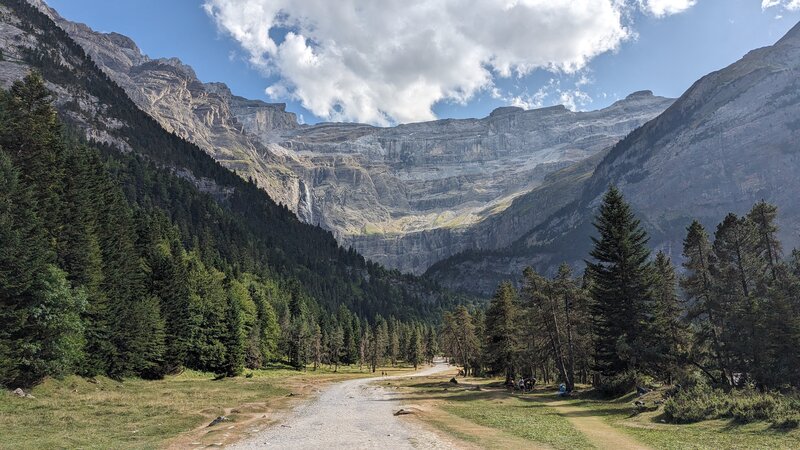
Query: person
[
  {"x": 522, "y": 384},
  {"x": 562, "y": 390}
]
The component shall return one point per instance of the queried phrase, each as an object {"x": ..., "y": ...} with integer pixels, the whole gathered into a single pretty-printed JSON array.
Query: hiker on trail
[{"x": 522, "y": 384}]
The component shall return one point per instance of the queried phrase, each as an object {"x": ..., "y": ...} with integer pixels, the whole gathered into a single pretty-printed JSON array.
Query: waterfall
[{"x": 304, "y": 206}]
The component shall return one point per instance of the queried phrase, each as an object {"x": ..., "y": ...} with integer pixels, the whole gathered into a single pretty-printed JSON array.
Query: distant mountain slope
[
  {"x": 732, "y": 139},
  {"x": 249, "y": 230},
  {"x": 403, "y": 196}
]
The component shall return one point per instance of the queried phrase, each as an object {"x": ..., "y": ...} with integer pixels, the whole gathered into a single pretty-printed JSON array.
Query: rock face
[
  {"x": 405, "y": 196},
  {"x": 731, "y": 140}
]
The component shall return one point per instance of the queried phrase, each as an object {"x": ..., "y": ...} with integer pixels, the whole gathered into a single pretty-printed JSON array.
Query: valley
[{"x": 529, "y": 249}]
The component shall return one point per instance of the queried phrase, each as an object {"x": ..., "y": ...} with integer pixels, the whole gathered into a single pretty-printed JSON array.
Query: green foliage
[
  {"x": 621, "y": 286},
  {"x": 700, "y": 403},
  {"x": 501, "y": 340},
  {"x": 172, "y": 277},
  {"x": 110, "y": 265}
]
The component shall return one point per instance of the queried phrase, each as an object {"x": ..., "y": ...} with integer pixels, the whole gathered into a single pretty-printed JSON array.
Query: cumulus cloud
[
  {"x": 661, "y": 8},
  {"x": 791, "y": 5},
  {"x": 391, "y": 60}
]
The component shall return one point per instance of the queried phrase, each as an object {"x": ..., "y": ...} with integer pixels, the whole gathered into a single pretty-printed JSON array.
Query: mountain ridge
[
  {"x": 404, "y": 196},
  {"x": 729, "y": 141}
]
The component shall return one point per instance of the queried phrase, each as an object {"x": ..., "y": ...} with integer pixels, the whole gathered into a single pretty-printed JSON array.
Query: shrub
[
  {"x": 743, "y": 406},
  {"x": 619, "y": 385},
  {"x": 695, "y": 404}
]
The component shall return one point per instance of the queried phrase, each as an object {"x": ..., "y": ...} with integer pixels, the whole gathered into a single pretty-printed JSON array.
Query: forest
[
  {"x": 113, "y": 265},
  {"x": 723, "y": 332}
]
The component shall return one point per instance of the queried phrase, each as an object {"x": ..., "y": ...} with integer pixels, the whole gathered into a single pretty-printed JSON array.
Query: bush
[
  {"x": 752, "y": 407},
  {"x": 695, "y": 404},
  {"x": 619, "y": 385},
  {"x": 701, "y": 403}
]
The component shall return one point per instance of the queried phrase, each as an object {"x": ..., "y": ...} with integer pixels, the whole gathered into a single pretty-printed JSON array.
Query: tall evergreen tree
[
  {"x": 706, "y": 311},
  {"x": 621, "y": 286},
  {"x": 735, "y": 268},
  {"x": 668, "y": 353},
  {"x": 500, "y": 345},
  {"x": 415, "y": 351}
]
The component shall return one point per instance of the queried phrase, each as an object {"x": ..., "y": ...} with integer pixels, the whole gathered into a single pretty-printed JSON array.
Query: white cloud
[
  {"x": 791, "y": 5},
  {"x": 551, "y": 93},
  {"x": 392, "y": 60},
  {"x": 661, "y": 8}
]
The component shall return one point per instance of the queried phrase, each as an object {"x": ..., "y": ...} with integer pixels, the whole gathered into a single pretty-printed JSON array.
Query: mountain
[
  {"x": 730, "y": 140},
  {"x": 234, "y": 225},
  {"x": 404, "y": 196}
]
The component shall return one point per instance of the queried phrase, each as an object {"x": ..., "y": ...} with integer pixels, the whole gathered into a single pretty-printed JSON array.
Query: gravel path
[{"x": 354, "y": 414}]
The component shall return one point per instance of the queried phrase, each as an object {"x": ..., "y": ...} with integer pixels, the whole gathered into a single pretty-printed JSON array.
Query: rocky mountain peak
[
  {"x": 792, "y": 37},
  {"x": 404, "y": 196},
  {"x": 506, "y": 110},
  {"x": 123, "y": 42},
  {"x": 639, "y": 95}
]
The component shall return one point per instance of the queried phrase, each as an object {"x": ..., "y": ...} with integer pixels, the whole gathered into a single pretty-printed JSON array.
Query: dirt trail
[
  {"x": 599, "y": 433},
  {"x": 354, "y": 414}
]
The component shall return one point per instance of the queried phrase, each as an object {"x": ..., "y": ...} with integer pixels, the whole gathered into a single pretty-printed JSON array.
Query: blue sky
[{"x": 663, "y": 54}]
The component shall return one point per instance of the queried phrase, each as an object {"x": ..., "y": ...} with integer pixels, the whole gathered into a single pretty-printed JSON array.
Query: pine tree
[
  {"x": 621, "y": 286},
  {"x": 734, "y": 270},
  {"x": 40, "y": 329},
  {"x": 235, "y": 336},
  {"x": 706, "y": 310},
  {"x": 767, "y": 246},
  {"x": 431, "y": 345},
  {"x": 336, "y": 347},
  {"x": 670, "y": 346},
  {"x": 415, "y": 351},
  {"x": 459, "y": 339},
  {"x": 501, "y": 344},
  {"x": 267, "y": 323},
  {"x": 31, "y": 134}
]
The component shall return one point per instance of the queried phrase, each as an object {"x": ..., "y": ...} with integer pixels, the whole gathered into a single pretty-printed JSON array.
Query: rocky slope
[
  {"x": 731, "y": 140},
  {"x": 404, "y": 196},
  {"x": 410, "y": 195}
]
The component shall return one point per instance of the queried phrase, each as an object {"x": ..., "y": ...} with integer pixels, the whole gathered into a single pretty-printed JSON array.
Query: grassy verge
[
  {"x": 77, "y": 413},
  {"x": 476, "y": 411},
  {"x": 650, "y": 428},
  {"x": 546, "y": 420}
]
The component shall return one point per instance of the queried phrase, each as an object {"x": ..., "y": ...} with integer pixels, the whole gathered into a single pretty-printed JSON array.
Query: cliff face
[
  {"x": 405, "y": 196},
  {"x": 729, "y": 141},
  {"x": 410, "y": 195}
]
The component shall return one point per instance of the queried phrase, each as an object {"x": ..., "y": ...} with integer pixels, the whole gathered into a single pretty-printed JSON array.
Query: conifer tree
[
  {"x": 734, "y": 269},
  {"x": 415, "y": 351},
  {"x": 670, "y": 347},
  {"x": 706, "y": 311},
  {"x": 40, "y": 329},
  {"x": 500, "y": 348},
  {"x": 621, "y": 286},
  {"x": 431, "y": 345}
]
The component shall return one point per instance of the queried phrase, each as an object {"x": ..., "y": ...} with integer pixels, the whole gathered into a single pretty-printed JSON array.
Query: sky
[{"x": 398, "y": 61}]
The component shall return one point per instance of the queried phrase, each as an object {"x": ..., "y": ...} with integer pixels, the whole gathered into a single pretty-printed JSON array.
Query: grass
[
  {"x": 77, "y": 413},
  {"x": 500, "y": 420},
  {"x": 544, "y": 419},
  {"x": 530, "y": 421},
  {"x": 650, "y": 429}
]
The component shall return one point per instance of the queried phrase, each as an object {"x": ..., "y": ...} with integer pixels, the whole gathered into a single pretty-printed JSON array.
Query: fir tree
[
  {"x": 501, "y": 344},
  {"x": 668, "y": 353},
  {"x": 621, "y": 286},
  {"x": 706, "y": 310},
  {"x": 415, "y": 351}
]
